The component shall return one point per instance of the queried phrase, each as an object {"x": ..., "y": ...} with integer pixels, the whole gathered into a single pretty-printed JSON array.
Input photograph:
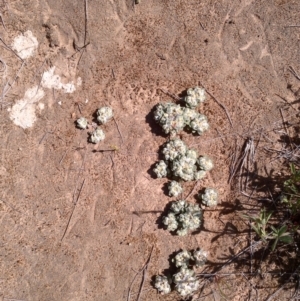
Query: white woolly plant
[
  {"x": 174, "y": 149},
  {"x": 97, "y": 136},
  {"x": 182, "y": 259},
  {"x": 210, "y": 197},
  {"x": 104, "y": 114},
  {"x": 162, "y": 284},
  {"x": 194, "y": 97},
  {"x": 170, "y": 117},
  {"x": 200, "y": 257},
  {"x": 175, "y": 189},
  {"x": 184, "y": 167},
  {"x": 183, "y": 217},
  {"x": 82, "y": 123},
  {"x": 199, "y": 174},
  {"x": 199, "y": 124},
  {"x": 161, "y": 169},
  {"x": 205, "y": 163},
  {"x": 186, "y": 282}
]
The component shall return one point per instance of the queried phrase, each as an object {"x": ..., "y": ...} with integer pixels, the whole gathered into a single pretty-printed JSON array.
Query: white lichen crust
[
  {"x": 199, "y": 124},
  {"x": 97, "y": 136},
  {"x": 194, "y": 97},
  {"x": 82, "y": 123},
  {"x": 175, "y": 189},
  {"x": 162, "y": 284},
  {"x": 186, "y": 282},
  {"x": 183, "y": 217},
  {"x": 174, "y": 149},
  {"x": 161, "y": 169},
  {"x": 170, "y": 117},
  {"x": 200, "y": 257},
  {"x": 182, "y": 259},
  {"x": 205, "y": 163},
  {"x": 210, "y": 197},
  {"x": 104, "y": 114}
]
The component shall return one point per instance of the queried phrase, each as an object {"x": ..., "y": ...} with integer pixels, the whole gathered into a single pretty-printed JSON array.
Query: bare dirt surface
[{"x": 78, "y": 224}]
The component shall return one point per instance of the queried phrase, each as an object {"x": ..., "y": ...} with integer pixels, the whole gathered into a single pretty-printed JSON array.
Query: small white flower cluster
[
  {"x": 182, "y": 162},
  {"x": 162, "y": 284},
  {"x": 183, "y": 216},
  {"x": 175, "y": 189},
  {"x": 194, "y": 97},
  {"x": 185, "y": 280},
  {"x": 173, "y": 118},
  {"x": 210, "y": 197},
  {"x": 104, "y": 114}
]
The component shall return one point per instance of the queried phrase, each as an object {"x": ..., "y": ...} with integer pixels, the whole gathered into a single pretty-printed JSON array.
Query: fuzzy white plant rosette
[
  {"x": 162, "y": 284},
  {"x": 182, "y": 259},
  {"x": 161, "y": 169},
  {"x": 104, "y": 114},
  {"x": 210, "y": 197},
  {"x": 82, "y": 123},
  {"x": 200, "y": 257},
  {"x": 97, "y": 136},
  {"x": 199, "y": 124},
  {"x": 186, "y": 282},
  {"x": 170, "y": 117},
  {"x": 183, "y": 217},
  {"x": 205, "y": 163},
  {"x": 174, "y": 149},
  {"x": 184, "y": 167},
  {"x": 194, "y": 97},
  {"x": 175, "y": 189}
]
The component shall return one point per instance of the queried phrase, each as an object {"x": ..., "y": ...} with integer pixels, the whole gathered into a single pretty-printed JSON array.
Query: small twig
[
  {"x": 170, "y": 94},
  {"x": 144, "y": 270},
  {"x": 220, "y": 104},
  {"x": 202, "y": 26},
  {"x": 10, "y": 49},
  {"x": 278, "y": 290},
  {"x": 113, "y": 73},
  {"x": 2, "y": 21},
  {"x": 67, "y": 227},
  {"x": 144, "y": 274},
  {"x": 3, "y": 66},
  {"x": 118, "y": 129},
  {"x": 292, "y": 70},
  {"x": 292, "y": 26},
  {"x": 192, "y": 190}
]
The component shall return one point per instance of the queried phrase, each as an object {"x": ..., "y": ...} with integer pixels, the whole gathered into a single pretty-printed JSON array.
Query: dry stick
[
  {"x": 292, "y": 70},
  {"x": 144, "y": 274},
  {"x": 67, "y": 227},
  {"x": 170, "y": 94},
  {"x": 220, "y": 104},
  {"x": 10, "y": 49},
  {"x": 278, "y": 290},
  {"x": 10, "y": 85},
  {"x": 192, "y": 190},
  {"x": 4, "y": 66},
  {"x": 118, "y": 129},
  {"x": 83, "y": 161},
  {"x": 2, "y": 21},
  {"x": 141, "y": 270},
  {"x": 285, "y": 128}
]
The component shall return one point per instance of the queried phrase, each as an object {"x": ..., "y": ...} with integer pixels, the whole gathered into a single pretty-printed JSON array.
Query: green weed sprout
[{"x": 266, "y": 232}]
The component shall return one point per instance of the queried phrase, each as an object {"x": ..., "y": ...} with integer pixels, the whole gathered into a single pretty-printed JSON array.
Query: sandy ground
[{"x": 78, "y": 224}]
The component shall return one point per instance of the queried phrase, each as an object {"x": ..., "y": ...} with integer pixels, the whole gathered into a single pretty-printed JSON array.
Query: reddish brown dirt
[{"x": 239, "y": 50}]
